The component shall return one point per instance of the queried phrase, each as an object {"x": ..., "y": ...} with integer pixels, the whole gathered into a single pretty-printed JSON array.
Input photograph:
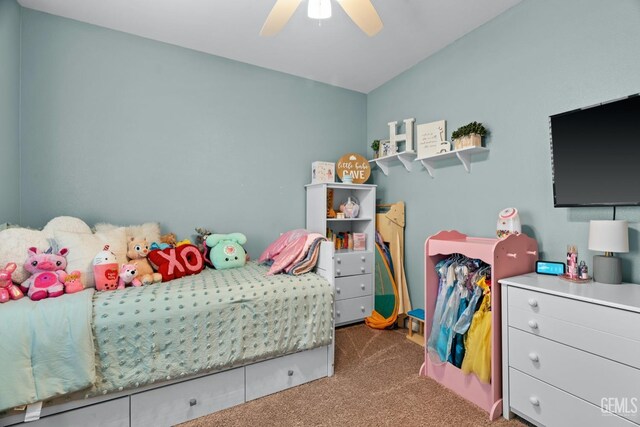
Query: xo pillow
[
  {"x": 83, "y": 247},
  {"x": 174, "y": 263}
]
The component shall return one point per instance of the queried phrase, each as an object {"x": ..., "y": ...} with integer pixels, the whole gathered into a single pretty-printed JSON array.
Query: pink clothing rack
[{"x": 507, "y": 257}]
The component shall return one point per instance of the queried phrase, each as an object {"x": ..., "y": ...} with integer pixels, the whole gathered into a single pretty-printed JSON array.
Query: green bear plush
[{"x": 226, "y": 251}]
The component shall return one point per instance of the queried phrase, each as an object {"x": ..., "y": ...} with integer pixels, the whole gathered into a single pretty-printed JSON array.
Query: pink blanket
[{"x": 288, "y": 250}]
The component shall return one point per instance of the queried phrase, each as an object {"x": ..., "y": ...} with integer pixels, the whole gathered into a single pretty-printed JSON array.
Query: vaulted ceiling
[{"x": 332, "y": 51}]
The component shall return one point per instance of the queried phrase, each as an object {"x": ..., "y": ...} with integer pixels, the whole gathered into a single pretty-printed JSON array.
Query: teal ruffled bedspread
[
  {"x": 128, "y": 338},
  {"x": 46, "y": 348},
  {"x": 208, "y": 322}
]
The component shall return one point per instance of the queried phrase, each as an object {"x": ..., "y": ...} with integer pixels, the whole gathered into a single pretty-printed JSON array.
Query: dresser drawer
[
  {"x": 552, "y": 407},
  {"x": 593, "y": 316},
  {"x": 621, "y": 349},
  {"x": 180, "y": 402},
  {"x": 590, "y": 377},
  {"x": 354, "y": 286},
  {"x": 352, "y": 263},
  {"x": 354, "y": 309},
  {"x": 274, "y": 375}
]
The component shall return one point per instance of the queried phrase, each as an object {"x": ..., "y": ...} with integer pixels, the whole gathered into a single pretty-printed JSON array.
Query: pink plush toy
[
  {"x": 128, "y": 273},
  {"x": 7, "y": 289},
  {"x": 72, "y": 282},
  {"x": 46, "y": 270}
]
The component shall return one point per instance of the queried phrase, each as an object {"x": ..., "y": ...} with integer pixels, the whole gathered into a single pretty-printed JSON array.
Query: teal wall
[
  {"x": 120, "y": 128},
  {"x": 9, "y": 111},
  {"x": 539, "y": 58}
]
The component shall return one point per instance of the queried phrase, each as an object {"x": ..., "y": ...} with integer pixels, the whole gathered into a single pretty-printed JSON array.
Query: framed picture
[
  {"x": 323, "y": 172},
  {"x": 387, "y": 148},
  {"x": 431, "y": 139}
]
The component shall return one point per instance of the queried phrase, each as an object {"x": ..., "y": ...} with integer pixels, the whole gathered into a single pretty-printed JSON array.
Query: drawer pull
[
  {"x": 362, "y": 269},
  {"x": 337, "y": 290},
  {"x": 337, "y": 272},
  {"x": 534, "y": 357},
  {"x": 338, "y": 260},
  {"x": 363, "y": 259},
  {"x": 193, "y": 402},
  {"x": 362, "y": 286},
  {"x": 534, "y": 401},
  {"x": 533, "y": 302},
  {"x": 290, "y": 373},
  {"x": 533, "y": 324},
  {"x": 337, "y": 313},
  {"x": 362, "y": 308}
]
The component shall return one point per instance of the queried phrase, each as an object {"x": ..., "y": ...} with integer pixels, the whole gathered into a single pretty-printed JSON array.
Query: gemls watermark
[{"x": 619, "y": 405}]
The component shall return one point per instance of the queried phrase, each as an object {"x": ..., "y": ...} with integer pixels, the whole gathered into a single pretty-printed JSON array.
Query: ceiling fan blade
[
  {"x": 279, "y": 16},
  {"x": 363, "y": 14}
]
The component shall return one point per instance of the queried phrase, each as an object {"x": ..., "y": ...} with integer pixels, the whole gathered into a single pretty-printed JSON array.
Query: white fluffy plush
[
  {"x": 83, "y": 247},
  {"x": 14, "y": 242},
  {"x": 149, "y": 230}
]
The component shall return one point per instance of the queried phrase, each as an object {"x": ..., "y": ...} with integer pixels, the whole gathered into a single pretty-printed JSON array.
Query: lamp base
[{"x": 607, "y": 269}]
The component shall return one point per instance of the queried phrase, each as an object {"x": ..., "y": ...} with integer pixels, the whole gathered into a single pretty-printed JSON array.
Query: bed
[{"x": 170, "y": 352}]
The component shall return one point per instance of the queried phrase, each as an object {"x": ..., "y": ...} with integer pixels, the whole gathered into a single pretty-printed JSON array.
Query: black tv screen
[{"x": 596, "y": 155}]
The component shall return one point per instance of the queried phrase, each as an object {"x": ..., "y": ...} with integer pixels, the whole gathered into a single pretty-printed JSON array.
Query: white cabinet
[
  {"x": 350, "y": 271},
  {"x": 571, "y": 353}
]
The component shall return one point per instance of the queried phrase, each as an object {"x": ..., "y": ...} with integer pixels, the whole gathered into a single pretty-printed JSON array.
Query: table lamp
[{"x": 608, "y": 237}]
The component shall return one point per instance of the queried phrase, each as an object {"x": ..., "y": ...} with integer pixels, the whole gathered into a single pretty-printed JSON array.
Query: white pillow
[
  {"x": 83, "y": 247},
  {"x": 149, "y": 231},
  {"x": 14, "y": 242}
]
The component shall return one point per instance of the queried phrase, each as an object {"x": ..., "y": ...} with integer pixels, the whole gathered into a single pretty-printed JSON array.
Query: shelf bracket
[
  {"x": 384, "y": 167},
  {"x": 406, "y": 162},
  {"x": 428, "y": 166},
  {"x": 465, "y": 158}
]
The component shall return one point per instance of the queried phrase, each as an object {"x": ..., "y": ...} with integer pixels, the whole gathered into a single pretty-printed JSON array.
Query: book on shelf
[
  {"x": 343, "y": 239},
  {"x": 359, "y": 241}
]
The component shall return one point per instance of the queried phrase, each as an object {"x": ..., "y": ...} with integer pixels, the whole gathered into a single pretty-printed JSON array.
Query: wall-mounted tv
[{"x": 595, "y": 155}]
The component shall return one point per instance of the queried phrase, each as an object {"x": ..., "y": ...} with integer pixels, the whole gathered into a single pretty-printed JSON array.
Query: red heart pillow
[{"x": 173, "y": 263}]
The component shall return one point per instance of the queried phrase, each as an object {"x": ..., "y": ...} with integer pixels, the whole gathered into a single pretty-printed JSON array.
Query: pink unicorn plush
[
  {"x": 7, "y": 289},
  {"x": 47, "y": 273}
]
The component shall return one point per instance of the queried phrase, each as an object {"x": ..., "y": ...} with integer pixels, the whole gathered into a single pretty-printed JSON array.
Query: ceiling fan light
[{"x": 319, "y": 9}]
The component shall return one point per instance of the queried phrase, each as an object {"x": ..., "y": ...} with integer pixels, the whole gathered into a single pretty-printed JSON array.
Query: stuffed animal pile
[{"x": 44, "y": 272}]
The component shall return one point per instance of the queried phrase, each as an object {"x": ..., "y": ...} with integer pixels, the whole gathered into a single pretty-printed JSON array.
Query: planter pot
[{"x": 473, "y": 140}]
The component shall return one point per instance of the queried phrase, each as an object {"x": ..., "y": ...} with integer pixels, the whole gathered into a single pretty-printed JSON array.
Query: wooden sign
[{"x": 355, "y": 166}]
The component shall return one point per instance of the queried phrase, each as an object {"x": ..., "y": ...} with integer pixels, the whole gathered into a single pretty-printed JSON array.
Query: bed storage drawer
[
  {"x": 564, "y": 366},
  {"x": 352, "y": 263},
  {"x": 354, "y": 309},
  {"x": 551, "y": 407},
  {"x": 112, "y": 413},
  {"x": 353, "y": 286},
  {"x": 274, "y": 375},
  {"x": 176, "y": 403}
]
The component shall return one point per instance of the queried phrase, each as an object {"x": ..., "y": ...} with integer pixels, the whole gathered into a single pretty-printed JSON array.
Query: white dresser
[{"x": 570, "y": 352}]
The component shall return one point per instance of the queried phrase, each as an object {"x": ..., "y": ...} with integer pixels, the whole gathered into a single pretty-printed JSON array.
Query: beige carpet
[{"x": 376, "y": 383}]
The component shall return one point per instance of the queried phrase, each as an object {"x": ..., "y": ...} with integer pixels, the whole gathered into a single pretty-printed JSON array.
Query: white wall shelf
[
  {"x": 464, "y": 155},
  {"x": 406, "y": 157},
  {"x": 347, "y": 219}
]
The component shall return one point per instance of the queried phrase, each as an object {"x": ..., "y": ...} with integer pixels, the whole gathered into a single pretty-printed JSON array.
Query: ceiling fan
[{"x": 361, "y": 12}]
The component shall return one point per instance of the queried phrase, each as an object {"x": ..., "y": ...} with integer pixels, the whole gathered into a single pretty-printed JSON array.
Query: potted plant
[
  {"x": 375, "y": 146},
  {"x": 468, "y": 136}
]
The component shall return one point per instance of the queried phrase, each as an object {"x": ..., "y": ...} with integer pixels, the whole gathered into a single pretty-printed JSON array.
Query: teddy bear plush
[
  {"x": 128, "y": 276},
  {"x": 137, "y": 252}
]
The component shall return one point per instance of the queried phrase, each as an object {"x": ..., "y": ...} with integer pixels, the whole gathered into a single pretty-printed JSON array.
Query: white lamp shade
[
  {"x": 609, "y": 236},
  {"x": 319, "y": 9}
]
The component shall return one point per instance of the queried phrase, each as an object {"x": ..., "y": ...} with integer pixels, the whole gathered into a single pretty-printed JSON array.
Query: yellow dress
[{"x": 477, "y": 343}]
